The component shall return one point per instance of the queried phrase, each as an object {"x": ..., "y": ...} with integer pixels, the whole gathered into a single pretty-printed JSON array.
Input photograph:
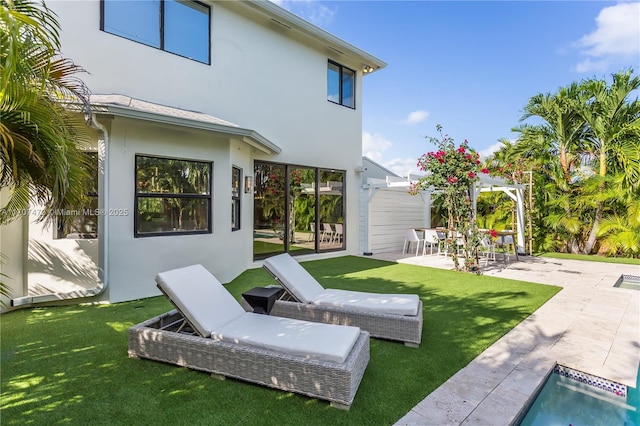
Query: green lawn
[
  {"x": 69, "y": 364},
  {"x": 592, "y": 258}
]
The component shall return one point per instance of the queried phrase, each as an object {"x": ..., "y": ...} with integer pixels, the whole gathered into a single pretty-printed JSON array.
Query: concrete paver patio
[{"x": 589, "y": 326}]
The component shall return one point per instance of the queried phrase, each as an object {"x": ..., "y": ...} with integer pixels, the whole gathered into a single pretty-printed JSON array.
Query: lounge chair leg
[
  {"x": 412, "y": 345},
  {"x": 340, "y": 406},
  {"x": 217, "y": 376}
]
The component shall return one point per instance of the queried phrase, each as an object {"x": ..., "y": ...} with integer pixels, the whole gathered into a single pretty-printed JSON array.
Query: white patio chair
[
  {"x": 459, "y": 243},
  {"x": 442, "y": 242},
  {"x": 431, "y": 239},
  {"x": 411, "y": 236},
  {"x": 312, "y": 234},
  {"x": 504, "y": 241},
  {"x": 327, "y": 232},
  {"x": 337, "y": 235},
  {"x": 488, "y": 248}
]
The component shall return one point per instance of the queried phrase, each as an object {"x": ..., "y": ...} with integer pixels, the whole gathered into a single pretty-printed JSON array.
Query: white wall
[
  {"x": 391, "y": 213},
  {"x": 134, "y": 262},
  {"x": 261, "y": 77},
  {"x": 60, "y": 265},
  {"x": 13, "y": 246}
]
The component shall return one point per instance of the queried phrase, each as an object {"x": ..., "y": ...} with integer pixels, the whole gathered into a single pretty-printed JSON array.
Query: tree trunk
[
  {"x": 591, "y": 241},
  {"x": 565, "y": 166}
]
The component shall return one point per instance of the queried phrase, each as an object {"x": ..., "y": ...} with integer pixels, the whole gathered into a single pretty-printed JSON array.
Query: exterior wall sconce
[{"x": 248, "y": 184}]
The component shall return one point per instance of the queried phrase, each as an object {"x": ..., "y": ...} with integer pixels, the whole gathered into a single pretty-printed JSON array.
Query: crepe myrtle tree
[{"x": 452, "y": 171}]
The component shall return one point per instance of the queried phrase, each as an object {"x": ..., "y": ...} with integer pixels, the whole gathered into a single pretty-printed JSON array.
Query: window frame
[
  {"x": 137, "y": 195},
  {"x": 162, "y": 30},
  {"x": 62, "y": 227},
  {"x": 341, "y": 69},
  {"x": 287, "y": 167},
  {"x": 236, "y": 200}
]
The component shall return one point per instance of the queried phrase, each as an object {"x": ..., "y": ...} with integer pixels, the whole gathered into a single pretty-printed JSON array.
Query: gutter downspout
[{"x": 103, "y": 224}]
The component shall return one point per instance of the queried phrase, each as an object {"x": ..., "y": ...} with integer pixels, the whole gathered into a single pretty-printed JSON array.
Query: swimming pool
[
  {"x": 570, "y": 397},
  {"x": 631, "y": 282}
]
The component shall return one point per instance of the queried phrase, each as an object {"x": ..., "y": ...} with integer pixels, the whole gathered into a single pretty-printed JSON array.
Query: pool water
[
  {"x": 631, "y": 282},
  {"x": 566, "y": 401}
]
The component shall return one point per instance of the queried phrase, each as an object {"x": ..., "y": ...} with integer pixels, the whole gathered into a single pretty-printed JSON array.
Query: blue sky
[{"x": 470, "y": 66}]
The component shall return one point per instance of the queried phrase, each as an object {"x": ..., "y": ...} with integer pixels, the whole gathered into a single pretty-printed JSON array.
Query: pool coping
[{"x": 588, "y": 326}]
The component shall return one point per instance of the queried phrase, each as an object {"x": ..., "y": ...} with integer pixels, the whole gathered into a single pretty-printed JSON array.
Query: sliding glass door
[{"x": 287, "y": 201}]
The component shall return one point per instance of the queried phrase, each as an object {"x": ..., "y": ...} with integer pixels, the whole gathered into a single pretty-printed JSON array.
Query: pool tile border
[{"x": 615, "y": 388}]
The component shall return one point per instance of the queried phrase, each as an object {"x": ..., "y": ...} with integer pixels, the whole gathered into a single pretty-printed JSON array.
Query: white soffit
[
  {"x": 125, "y": 106},
  {"x": 291, "y": 21}
]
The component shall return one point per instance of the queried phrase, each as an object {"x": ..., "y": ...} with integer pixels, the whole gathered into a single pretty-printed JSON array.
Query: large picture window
[
  {"x": 341, "y": 85},
  {"x": 297, "y": 210},
  {"x": 173, "y": 196},
  {"x": 176, "y": 26}
]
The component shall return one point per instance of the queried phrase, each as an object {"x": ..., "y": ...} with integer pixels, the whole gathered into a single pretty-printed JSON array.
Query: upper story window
[
  {"x": 341, "y": 85},
  {"x": 176, "y": 26},
  {"x": 173, "y": 197}
]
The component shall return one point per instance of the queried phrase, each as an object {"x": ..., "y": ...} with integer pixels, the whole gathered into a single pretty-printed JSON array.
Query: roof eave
[
  {"x": 370, "y": 63},
  {"x": 249, "y": 136}
]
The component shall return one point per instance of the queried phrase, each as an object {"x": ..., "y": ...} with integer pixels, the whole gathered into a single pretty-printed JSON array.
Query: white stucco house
[{"x": 225, "y": 132}]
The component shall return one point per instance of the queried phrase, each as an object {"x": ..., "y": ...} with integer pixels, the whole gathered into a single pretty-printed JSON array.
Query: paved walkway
[{"x": 590, "y": 326}]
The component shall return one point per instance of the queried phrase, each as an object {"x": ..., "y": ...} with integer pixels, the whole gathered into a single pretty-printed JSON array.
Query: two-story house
[{"x": 225, "y": 132}]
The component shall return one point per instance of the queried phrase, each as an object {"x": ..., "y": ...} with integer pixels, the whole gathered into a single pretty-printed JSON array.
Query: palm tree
[
  {"x": 40, "y": 135},
  {"x": 615, "y": 127},
  {"x": 563, "y": 130}
]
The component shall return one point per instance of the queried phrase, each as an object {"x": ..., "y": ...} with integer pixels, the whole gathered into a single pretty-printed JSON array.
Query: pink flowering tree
[{"x": 452, "y": 171}]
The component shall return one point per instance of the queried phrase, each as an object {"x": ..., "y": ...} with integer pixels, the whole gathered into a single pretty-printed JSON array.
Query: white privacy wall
[{"x": 389, "y": 213}]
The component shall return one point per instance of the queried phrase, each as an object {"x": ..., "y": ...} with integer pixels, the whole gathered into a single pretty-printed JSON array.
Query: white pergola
[{"x": 484, "y": 184}]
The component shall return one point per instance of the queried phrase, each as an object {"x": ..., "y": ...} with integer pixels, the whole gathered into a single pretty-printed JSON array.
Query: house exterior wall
[
  {"x": 13, "y": 246},
  {"x": 262, "y": 77},
  {"x": 133, "y": 262}
]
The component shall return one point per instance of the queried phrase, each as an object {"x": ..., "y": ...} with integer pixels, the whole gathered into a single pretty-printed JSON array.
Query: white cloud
[
  {"x": 490, "y": 150},
  {"x": 403, "y": 166},
  {"x": 617, "y": 36},
  {"x": 313, "y": 11},
  {"x": 374, "y": 145},
  {"x": 588, "y": 65},
  {"x": 415, "y": 117}
]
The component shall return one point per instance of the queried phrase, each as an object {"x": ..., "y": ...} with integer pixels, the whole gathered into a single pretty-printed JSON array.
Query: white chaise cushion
[
  {"x": 399, "y": 304},
  {"x": 293, "y": 277},
  {"x": 200, "y": 297},
  {"x": 312, "y": 340}
]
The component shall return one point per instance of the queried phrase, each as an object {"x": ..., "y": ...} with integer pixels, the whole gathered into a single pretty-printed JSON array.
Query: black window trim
[
  {"x": 318, "y": 170},
  {"x": 136, "y": 195},
  {"x": 162, "y": 32},
  {"x": 238, "y": 197},
  {"x": 355, "y": 77}
]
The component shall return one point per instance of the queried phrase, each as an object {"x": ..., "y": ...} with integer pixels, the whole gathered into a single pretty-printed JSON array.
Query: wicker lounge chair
[
  {"x": 211, "y": 332},
  {"x": 387, "y": 316}
]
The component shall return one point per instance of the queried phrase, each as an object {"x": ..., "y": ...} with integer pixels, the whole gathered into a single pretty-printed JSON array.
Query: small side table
[{"x": 262, "y": 299}]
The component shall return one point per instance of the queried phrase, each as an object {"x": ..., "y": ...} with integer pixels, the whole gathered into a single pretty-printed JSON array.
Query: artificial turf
[{"x": 70, "y": 365}]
